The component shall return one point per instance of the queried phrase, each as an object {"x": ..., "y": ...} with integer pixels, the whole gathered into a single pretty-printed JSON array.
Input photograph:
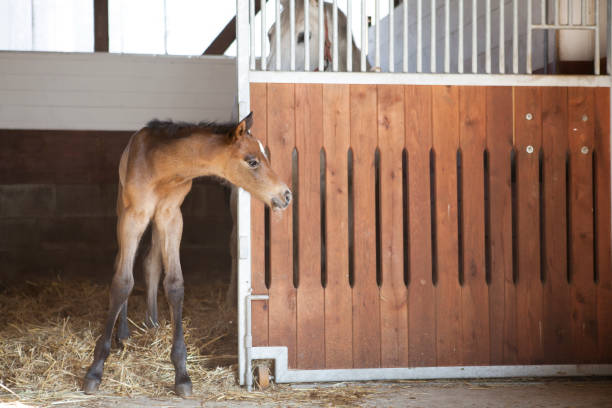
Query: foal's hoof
[
  {"x": 91, "y": 385},
  {"x": 183, "y": 389}
]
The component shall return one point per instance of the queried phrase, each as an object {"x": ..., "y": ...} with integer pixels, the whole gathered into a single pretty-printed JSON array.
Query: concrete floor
[{"x": 562, "y": 393}]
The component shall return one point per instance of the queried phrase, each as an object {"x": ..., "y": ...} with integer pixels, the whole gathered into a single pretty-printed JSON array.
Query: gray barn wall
[{"x": 64, "y": 120}]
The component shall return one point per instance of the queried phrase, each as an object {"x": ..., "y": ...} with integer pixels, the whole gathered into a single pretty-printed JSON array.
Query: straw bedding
[{"x": 48, "y": 331}]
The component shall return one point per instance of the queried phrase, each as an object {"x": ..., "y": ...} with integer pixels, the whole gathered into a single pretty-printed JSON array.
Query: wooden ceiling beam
[{"x": 227, "y": 36}]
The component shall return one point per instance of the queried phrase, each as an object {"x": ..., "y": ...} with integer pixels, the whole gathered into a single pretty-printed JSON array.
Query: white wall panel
[{"x": 110, "y": 91}]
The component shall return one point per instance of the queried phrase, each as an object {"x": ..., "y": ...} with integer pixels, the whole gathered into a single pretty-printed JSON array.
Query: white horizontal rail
[
  {"x": 429, "y": 79},
  {"x": 282, "y": 374}
]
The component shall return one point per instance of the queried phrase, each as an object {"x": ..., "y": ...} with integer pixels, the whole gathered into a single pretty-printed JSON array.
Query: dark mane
[{"x": 181, "y": 129}]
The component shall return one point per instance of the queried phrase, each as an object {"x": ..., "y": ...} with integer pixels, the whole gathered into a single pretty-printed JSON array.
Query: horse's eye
[
  {"x": 300, "y": 38},
  {"x": 252, "y": 162}
]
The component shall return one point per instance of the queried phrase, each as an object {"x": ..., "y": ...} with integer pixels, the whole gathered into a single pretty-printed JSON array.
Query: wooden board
[
  {"x": 602, "y": 217},
  {"x": 556, "y": 311},
  {"x": 393, "y": 293},
  {"x": 581, "y": 126},
  {"x": 366, "y": 309},
  {"x": 421, "y": 294},
  {"x": 474, "y": 291},
  {"x": 445, "y": 118},
  {"x": 281, "y": 139},
  {"x": 308, "y": 141},
  {"x": 502, "y": 293},
  {"x": 259, "y": 309},
  {"x": 528, "y": 132},
  {"x": 338, "y": 304}
]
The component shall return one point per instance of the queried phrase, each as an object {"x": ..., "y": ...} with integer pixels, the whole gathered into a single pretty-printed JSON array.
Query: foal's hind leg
[
  {"x": 170, "y": 224},
  {"x": 152, "y": 269},
  {"x": 130, "y": 227}
]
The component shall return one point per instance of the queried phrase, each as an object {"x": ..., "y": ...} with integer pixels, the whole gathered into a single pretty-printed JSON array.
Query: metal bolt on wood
[
  {"x": 584, "y": 150},
  {"x": 529, "y": 116},
  {"x": 585, "y": 118},
  {"x": 529, "y": 148}
]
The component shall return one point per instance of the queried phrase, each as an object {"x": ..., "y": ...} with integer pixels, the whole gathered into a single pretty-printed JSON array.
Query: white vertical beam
[
  {"x": 264, "y": 37},
  {"x": 529, "y": 30},
  {"x": 252, "y": 34},
  {"x": 277, "y": 24},
  {"x": 292, "y": 34},
  {"x": 474, "y": 36},
  {"x": 321, "y": 37},
  {"x": 306, "y": 36},
  {"x": 502, "y": 39},
  {"x": 364, "y": 38},
  {"x": 244, "y": 199},
  {"x": 515, "y": 54},
  {"x": 377, "y": 34},
  {"x": 460, "y": 28},
  {"x": 447, "y": 36},
  {"x": 419, "y": 63},
  {"x": 405, "y": 37},
  {"x": 391, "y": 38},
  {"x": 335, "y": 36},
  {"x": 349, "y": 36},
  {"x": 597, "y": 25},
  {"x": 488, "y": 37},
  {"x": 432, "y": 51}
]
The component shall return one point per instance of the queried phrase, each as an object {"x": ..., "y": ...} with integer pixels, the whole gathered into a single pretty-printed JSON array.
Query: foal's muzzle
[{"x": 282, "y": 202}]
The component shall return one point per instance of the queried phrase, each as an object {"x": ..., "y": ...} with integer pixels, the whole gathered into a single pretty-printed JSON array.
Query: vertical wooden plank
[
  {"x": 445, "y": 118},
  {"x": 338, "y": 304},
  {"x": 281, "y": 139},
  {"x": 528, "y": 141},
  {"x": 259, "y": 309},
  {"x": 421, "y": 294},
  {"x": 310, "y": 295},
  {"x": 602, "y": 214},
  {"x": 581, "y": 114},
  {"x": 101, "y": 25},
  {"x": 502, "y": 293},
  {"x": 393, "y": 294},
  {"x": 556, "y": 300},
  {"x": 366, "y": 308},
  {"x": 602, "y": 217},
  {"x": 474, "y": 291}
]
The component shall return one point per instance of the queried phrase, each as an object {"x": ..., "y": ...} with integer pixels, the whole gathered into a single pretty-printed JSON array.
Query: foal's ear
[{"x": 242, "y": 128}]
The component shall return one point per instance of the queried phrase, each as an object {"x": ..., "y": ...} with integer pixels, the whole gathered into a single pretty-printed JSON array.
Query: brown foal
[{"x": 155, "y": 174}]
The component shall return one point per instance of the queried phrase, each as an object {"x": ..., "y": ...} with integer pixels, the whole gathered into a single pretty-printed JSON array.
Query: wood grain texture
[
  {"x": 445, "y": 118},
  {"x": 366, "y": 307},
  {"x": 281, "y": 139},
  {"x": 393, "y": 293},
  {"x": 259, "y": 309},
  {"x": 529, "y": 286},
  {"x": 474, "y": 291},
  {"x": 583, "y": 291},
  {"x": 308, "y": 141},
  {"x": 557, "y": 335},
  {"x": 338, "y": 303},
  {"x": 421, "y": 293},
  {"x": 602, "y": 225},
  {"x": 502, "y": 291}
]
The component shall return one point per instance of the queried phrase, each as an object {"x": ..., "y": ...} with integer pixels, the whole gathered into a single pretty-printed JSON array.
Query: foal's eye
[
  {"x": 300, "y": 38},
  {"x": 252, "y": 162}
]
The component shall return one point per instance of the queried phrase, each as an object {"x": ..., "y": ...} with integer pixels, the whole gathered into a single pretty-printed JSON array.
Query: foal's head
[{"x": 248, "y": 167}]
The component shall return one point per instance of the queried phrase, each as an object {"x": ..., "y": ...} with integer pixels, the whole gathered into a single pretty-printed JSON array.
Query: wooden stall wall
[{"x": 435, "y": 225}]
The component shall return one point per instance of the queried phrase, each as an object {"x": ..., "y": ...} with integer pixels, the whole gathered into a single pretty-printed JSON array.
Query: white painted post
[
  {"x": 488, "y": 37},
  {"x": 447, "y": 36},
  {"x": 474, "y": 36},
  {"x": 306, "y": 36},
  {"x": 432, "y": 51},
  {"x": 349, "y": 36},
  {"x": 460, "y": 28},
  {"x": 277, "y": 24},
  {"x": 391, "y": 38},
  {"x": 405, "y": 38},
  {"x": 502, "y": 40},
  {"x": 292, "y": 34},
  {"x": 515, "y": 54},
  {"x": 335, "y": 36},
  {"x": 264, "y": 37},
  {"x": 321, "y": 37},
  {"x": 364, "y": 38},
  {"x": 529, "y": 30},
  {"x": 377, "y": 34},
  {"x": 244, "y": 199}
]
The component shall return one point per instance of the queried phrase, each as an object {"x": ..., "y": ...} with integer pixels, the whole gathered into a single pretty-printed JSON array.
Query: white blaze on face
[{"x": 263, "y": 151}]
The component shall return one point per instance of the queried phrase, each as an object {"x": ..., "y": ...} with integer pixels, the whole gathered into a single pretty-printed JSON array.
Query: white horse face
[{"x": 300, "y": 37}]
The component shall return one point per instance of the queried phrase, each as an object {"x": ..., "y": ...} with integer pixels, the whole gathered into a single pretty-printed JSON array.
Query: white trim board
[
  {"x": 284, "y": 375},
  {"x": 385, "y": 78}
]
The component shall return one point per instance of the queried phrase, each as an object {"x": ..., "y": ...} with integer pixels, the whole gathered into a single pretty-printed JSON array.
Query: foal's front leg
[
  {"x": 170, "y": 224},
  {"x": 130, "y": 227}
]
